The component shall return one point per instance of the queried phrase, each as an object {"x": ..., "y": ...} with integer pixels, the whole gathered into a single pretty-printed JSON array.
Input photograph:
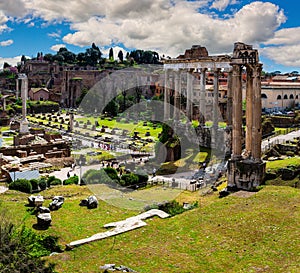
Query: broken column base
[
  {"x": 24, "y": 127},
  {"x": 245, "y": 174}
]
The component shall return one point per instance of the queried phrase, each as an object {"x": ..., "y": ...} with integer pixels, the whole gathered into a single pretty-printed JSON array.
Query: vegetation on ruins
[{"x": 21, "y": 248}]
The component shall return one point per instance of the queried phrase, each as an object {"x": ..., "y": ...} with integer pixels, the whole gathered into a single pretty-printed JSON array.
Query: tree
[
  {"x": 120, "y": 56},
  {"x": 49, "y": 57},
  {"x": 93, "y": 55},
  {"x": 6, "y": 65},
  {"x": 111, "y": 54}
]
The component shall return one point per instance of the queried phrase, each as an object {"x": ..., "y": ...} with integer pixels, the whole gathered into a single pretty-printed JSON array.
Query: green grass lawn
[
  {"x": 283, "y": 163},
  {"x": 260, "y": 233}
]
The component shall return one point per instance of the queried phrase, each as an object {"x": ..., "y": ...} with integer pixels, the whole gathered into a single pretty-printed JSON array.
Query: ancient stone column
[
  {"x": 256, "y": 113},
  {"x": 215, "y": 111},
  {"x": 249, "y": 108},
  {"x": 229, "y": 98},
  {"x": 216, "y": 99},
  {"x": 177, "y": 93},
  {"x": 24, "y": 94},
  {"x": 17, "y": 88},
  {"x": 202, "y": 104},
  {"x": 237, "y": 113},
  {"x": 189, "y": 94},
  {"x": 166, "y": 97}
]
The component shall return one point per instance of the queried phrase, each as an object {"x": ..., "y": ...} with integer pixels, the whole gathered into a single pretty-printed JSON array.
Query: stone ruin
[{"x": 245, "y": 168}]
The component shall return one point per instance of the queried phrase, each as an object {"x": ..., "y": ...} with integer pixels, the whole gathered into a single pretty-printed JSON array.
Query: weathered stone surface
[
  {"x": 44, "y": 210},
  {"x": 44, "y": 219},
  {"x": 56, "y": 203},
  {"x": 91, "y": 202},
  {"x": 287, "y": 174},
  {"x": 35, "y": 201}
]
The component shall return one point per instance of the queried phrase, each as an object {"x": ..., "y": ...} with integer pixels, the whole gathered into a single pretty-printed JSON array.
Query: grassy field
[
  {"x": 283, "y": 163},
  {"x": 260, "y": 233}
]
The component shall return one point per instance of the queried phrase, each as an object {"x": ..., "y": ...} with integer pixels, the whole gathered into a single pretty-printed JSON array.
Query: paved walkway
[{"x": 279, "y": 140}]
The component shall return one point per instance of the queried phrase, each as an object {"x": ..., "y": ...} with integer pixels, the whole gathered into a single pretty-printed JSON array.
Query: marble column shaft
[
  {"x": 256, "y": 115},
  {"x": 237, "y": 113},
  {"x": 166, "y": 97},
  {"x": 24, "y": 95},
  {"x": 189, "y": 94},
  {"x": 229, "y": 99},
  {"x": 216, "y": 99},
  {"x": 249, "y": 108},
  {"x": 177, "y": 93},
  {"x": 202, "y": 104}
]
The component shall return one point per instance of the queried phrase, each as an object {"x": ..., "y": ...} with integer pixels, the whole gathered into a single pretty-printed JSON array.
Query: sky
[{"x": 165, "y": 26}]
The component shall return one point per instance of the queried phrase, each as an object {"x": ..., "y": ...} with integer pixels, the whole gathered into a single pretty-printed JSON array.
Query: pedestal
[
  {"x": 24, "y": 127},
  {"x": 245, "y": 174}
]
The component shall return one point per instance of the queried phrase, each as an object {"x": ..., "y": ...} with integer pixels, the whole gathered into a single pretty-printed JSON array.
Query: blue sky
[{"x": 166, "y": 26}]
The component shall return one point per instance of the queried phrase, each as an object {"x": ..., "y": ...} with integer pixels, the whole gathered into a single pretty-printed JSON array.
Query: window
[
  {"x": 291, "y": 97},
  {"x": 279, "y": 97},
  {"x": 285, "y": 97},
  {"x": 264, "y": 96}
]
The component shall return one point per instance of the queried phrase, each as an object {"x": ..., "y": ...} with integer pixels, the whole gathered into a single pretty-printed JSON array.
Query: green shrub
[
  {"x": 43, "y": 184},
  {"x": 129, "y": 179},
  {"x": 290, "y": 153},
  {"x": 71, "y": 180},
  {"x": 98, "y": 177},
  {"x": 22, "y": 185},
  {"x": 34, "y": 184},
  {"x": 112, "y": 173},
  {"x": 174, "y": 207},
  {"x": 53, "y": 181},
  {"x": 56, "y": 182}
]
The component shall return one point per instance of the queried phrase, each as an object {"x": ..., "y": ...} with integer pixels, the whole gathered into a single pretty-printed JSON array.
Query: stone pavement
[{"x": 278, "y": 140}]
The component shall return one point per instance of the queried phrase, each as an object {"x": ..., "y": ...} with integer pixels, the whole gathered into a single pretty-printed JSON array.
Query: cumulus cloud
[
  {"x": 177, "y": 26},
  {"x": 6, "y": 43},
  {"x": 57, "y": 47},
  {"x": 286, "y": 55},
  {"x": 14, "y": 8},
  {"x": 3, "y": 21},
  {"x": 12, "y": 61},
  {"x": 166, "y": 26},
  {"x": 222, "y": 4},
  {"x": 284, "y": 47}
]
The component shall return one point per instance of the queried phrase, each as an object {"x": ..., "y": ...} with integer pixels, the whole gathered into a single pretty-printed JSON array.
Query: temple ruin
[{"x": 245, "y": 167}]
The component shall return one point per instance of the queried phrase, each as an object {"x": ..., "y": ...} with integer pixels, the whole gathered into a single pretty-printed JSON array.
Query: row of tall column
[
  {"x": 173, "y": 85},
  {"x": 253, "y": 111}
]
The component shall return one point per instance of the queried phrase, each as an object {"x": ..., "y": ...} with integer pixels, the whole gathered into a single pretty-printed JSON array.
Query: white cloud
[
  {"x": 284, "y": 47},
  {"x": 55, "y": 34},
  {"x": 6, "y": 43},
  {"x": 222, "y": 4},
  {"x": 12, "y": 61},
  {"x": 3, "y": 21},
  {"x": 286, "y": 55},
  {"x": 173, "y": 28},
  {"x": 14, "y": 8},
  {"x": 57, "y": 47},
  {"x": 166, "y": 26}
]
